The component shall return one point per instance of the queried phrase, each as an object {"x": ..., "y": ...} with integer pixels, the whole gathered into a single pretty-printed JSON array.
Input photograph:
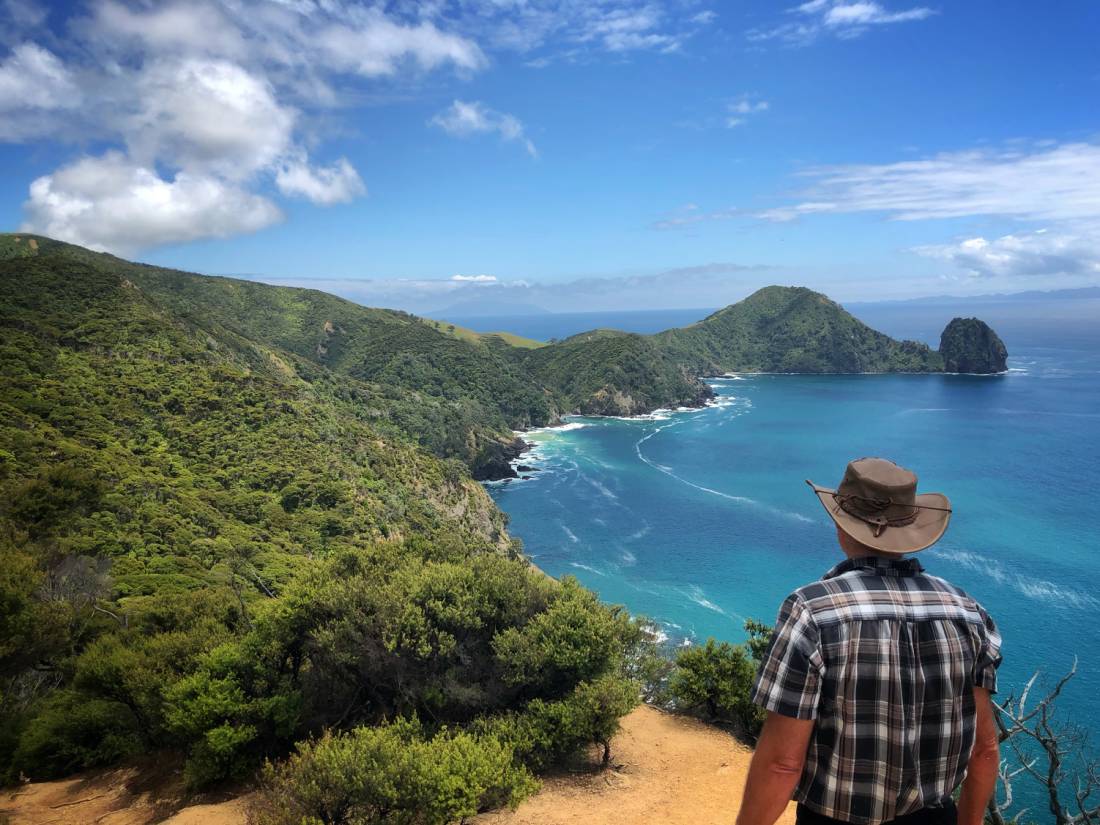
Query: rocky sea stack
[{"x": 970, "y": 345}]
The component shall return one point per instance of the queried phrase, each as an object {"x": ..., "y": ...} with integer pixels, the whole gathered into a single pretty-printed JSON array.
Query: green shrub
[
  {"x": 717, "y": 677},
  {"x": 391, "y": 775},
  {"x": 547, "y": 732},
  {"x": 69, "y": 732}
]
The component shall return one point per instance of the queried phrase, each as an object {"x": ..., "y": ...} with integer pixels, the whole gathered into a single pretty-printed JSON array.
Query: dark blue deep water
[{"x": 700, "y": 519}]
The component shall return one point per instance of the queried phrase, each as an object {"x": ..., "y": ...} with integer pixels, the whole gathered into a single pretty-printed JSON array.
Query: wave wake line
[{"x": 738, "y": 499}]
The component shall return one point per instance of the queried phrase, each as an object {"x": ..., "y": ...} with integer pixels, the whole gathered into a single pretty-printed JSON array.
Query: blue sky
[{"x": 572, "y": 155}]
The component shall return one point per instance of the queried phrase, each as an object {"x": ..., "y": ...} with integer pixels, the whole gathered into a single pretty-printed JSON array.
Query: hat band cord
[{"x": 870, "y": 510}]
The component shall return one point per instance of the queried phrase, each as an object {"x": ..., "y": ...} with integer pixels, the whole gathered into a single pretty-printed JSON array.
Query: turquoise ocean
[{"x": 700, "y": 519}]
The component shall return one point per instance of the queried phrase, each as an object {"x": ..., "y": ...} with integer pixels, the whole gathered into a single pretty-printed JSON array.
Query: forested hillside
[
  {"x": 606, "y": 372},
  {"x": 214, "y": 545},
  {"x": 792, "y": 329}
]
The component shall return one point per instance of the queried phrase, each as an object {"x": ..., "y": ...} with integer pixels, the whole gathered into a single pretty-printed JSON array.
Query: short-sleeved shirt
[{"x": 885, "y": 658}]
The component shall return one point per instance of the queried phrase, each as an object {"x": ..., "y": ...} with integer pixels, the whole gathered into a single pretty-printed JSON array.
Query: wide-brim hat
[{"x": 877, "y": 504}]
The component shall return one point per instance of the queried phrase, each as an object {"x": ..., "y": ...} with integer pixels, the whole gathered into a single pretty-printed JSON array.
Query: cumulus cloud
[
  {"x": 466, "y": 118},
  {"x": 191, "y": 97},
  {"x": 34, "y": 84},
  {"x": 475, "y": 279},
  {"x": 842, "y": 18},
  {"x": 207, "y": 115},
  {"x": 1024, "y": 254},
  {"x": 110, "y": 203},
  {"x": 325, "y": 185},
  {"x": 205, "y": 107},
  {"x": 1054, "y": 183}
]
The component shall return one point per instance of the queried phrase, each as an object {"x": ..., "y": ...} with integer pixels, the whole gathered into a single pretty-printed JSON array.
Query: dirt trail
[
  {"x": 124, "y": 796},
  {"x": 667, "y": 769}
]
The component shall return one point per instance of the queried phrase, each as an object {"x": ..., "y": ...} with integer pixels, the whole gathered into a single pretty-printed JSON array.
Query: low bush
[
  {"x": 717, "y": 678},
  {"x": 391, "y": 775}
]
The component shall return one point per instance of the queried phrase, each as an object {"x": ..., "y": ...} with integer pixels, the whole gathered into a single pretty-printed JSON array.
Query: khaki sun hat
[{"x": 877, "y": 504}]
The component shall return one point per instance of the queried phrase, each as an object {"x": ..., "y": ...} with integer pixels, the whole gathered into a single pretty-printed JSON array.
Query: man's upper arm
[
  {"x": 783, "y": 742},
  {"x": 986, "y": 733},
  {"x": 789, "y": 680}
]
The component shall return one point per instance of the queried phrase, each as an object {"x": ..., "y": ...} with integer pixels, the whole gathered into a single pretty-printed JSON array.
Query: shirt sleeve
[
  {"x": 789, "y": 679},
  {"x": 989, "y": 654}
]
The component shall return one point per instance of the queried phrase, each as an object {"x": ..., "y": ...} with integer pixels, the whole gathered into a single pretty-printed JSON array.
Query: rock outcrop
[{"x": 970, "y": 345}]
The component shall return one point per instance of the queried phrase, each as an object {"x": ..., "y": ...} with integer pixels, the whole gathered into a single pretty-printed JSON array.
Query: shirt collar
[{"x": 877, "y": 565}]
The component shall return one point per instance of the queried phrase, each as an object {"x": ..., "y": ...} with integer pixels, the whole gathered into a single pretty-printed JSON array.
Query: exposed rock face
[
  {"x": 494, "y": 461},
  {"x": 970, "y": 345}
]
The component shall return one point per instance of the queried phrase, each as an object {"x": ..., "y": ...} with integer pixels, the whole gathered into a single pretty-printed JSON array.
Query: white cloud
[
  {"x": 574, "y": 29},
  {"x": 198, "y": 101},
  {"x": 192, "y": 96},
  {"x": 475, "y": 279},
  {"x": 848, "y": 15},
  {"x": 842, "y": 18},
  {"x": 374, "y": 45},
  {"x": 326, "y": 185},
  {"x": 207, "y": 115},
  {"x": 1022, "y": 255},
  {"x": 1059, "y": 183},
  {"x": 742, "y": 108},
  {"x": 629, "y": 29},
  {"x": 109, "y": 203},
  {"x": 466, "y": 118},
  {"x": 690, "y": 214},
  {"x": 34, "y": 83},
  {"x": 195, "y": 28}
]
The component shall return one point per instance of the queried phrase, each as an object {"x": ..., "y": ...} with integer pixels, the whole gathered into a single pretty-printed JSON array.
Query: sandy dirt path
[{"x": 666, "y": 769}]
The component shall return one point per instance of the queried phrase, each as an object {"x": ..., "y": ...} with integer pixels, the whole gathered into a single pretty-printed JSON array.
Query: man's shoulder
[{"x": 854, "y": 596}]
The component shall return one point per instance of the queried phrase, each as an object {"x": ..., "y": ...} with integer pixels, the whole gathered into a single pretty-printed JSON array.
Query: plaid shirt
[{"x": 884, "y": 657}]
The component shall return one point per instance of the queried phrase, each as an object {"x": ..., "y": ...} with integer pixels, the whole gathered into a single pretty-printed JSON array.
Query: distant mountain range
[{"x": 1030, "y": 297}]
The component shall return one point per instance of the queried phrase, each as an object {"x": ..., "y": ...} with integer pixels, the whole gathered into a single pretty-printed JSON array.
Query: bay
[{"x": 701, "y": 519}]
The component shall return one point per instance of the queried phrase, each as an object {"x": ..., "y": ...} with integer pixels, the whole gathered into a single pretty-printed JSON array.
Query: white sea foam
[
  {"x": 628, "y": 558},
  {"x": 580, "y": 566},
  {"x": 728, "y": 496},
  {"x": 1041, "y": 590},
  {"x": 696, "y": 594},
  {"x": 570, "y": 534},
  {"x": 566, "y": 427},
  {"x": 601, "y": 489}
]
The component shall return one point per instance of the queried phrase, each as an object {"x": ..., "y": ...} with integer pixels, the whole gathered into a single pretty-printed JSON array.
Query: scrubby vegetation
[
  {"x": 615, "y": 373},
  {"x": 215, "y": 544}
]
